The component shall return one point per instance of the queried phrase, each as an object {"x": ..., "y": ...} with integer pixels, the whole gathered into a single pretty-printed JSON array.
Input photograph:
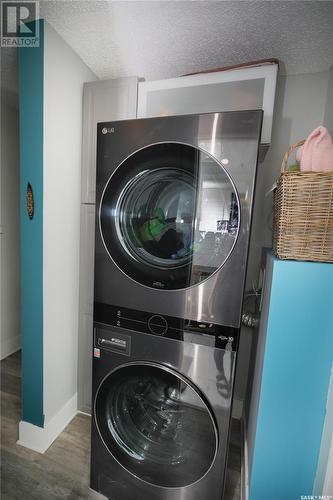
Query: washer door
[
  {"x": 156, "y": 425},
  {"x": 169, "y": 216}
]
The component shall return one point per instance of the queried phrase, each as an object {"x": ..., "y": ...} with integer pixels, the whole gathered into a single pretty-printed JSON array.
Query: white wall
[
  {"x": 64, "y": 75},
  {"x": 328, "y": 118},
  {"x": 9, "y": 246},
  {"x": 300, "y": 106},
  {"x": 252, "y": 409},
  {"x": 324, "y": 478}
]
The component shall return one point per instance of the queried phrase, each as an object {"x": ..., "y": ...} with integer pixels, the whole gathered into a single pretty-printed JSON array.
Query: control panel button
[{"x": 157, "y": 324}]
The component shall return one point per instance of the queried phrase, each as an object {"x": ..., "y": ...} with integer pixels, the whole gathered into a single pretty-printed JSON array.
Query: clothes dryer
[{"x": 174, "y": 199}]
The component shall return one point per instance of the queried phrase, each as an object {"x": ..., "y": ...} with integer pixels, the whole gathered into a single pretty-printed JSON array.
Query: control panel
[
  {"x": 186, "y": 330},
  {"x": 115, "y": 342},
  {"x": 157, "y": 324}
]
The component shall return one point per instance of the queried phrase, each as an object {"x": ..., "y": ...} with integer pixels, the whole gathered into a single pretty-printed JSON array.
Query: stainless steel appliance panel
[
  {"x": 209, "y": 373},
  {"x": 231, "y": 139}
]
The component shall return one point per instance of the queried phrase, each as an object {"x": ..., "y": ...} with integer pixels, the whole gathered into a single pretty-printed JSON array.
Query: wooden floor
[{"x": 62, "y": 472}]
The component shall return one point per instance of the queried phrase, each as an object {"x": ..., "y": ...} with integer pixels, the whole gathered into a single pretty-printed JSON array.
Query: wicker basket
[{"x": 303, "y": 214}]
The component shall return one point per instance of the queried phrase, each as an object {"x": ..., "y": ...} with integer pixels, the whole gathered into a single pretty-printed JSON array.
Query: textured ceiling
[{"x": 162, "y": 39}]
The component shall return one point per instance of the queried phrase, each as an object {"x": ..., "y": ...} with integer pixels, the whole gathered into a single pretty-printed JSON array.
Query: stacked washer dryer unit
[{"x": 174, "y": 198}]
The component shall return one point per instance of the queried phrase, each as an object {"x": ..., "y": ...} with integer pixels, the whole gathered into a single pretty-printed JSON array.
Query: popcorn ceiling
[{"x": 162, "y": 39}]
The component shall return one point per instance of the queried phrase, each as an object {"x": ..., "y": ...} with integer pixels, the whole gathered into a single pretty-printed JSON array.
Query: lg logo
[
  {"x": 107, "y": 130},
  {"x": 18, "y": 24}
]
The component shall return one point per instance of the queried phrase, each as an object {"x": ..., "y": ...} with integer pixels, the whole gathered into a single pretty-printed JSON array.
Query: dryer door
[
  {"x": 156, "y": 424},
  {"x": 169, "y": 216}
]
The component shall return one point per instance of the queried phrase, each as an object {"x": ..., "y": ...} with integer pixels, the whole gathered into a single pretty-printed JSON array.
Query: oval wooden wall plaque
[{"x": 30, "y": 201}]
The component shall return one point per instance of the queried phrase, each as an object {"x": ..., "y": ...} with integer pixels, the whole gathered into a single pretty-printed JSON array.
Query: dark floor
[{"x": 62, "y": 472}]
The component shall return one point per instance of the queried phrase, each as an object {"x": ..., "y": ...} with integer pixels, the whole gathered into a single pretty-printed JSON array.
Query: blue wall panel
[
  {"x": 31, "y": 75},
  {"x": 295, "y": 379}
]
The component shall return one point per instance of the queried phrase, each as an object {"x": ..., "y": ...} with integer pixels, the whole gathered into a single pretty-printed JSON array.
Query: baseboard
[
  {"x": 244, "y": 466},
  {"x": 237, "y": 409},
  {"x": 84, "y": 413},
  {"x": 9, "y": 346},
  {"x": 40, "y": 438}
]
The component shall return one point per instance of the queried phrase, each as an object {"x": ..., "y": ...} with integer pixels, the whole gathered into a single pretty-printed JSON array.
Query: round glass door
[
  {"x": 169, "y": 216},
  {"x": 156, "y": 425}
]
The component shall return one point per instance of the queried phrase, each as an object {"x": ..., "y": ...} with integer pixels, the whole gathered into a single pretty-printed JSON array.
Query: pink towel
[{"x": 317, "y": 152}]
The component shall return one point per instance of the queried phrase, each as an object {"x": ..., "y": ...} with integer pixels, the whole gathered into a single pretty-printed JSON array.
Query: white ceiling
[{"x": 162, "y": 39}]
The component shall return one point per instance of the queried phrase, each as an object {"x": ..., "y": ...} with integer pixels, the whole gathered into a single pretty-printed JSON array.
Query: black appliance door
[
  {"x": 169, "y": 216},
  {"x": 156, "y": 424}
]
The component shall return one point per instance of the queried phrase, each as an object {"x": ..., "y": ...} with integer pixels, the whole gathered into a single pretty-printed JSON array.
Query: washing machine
[
  {"x": 174, "y": 199},
  {"x": 161, "y": 412}
]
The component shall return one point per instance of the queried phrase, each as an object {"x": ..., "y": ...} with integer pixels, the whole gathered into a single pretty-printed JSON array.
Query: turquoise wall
[
  {"x": 295, "y": 379},
  {"x": 31, "y": 75}
]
